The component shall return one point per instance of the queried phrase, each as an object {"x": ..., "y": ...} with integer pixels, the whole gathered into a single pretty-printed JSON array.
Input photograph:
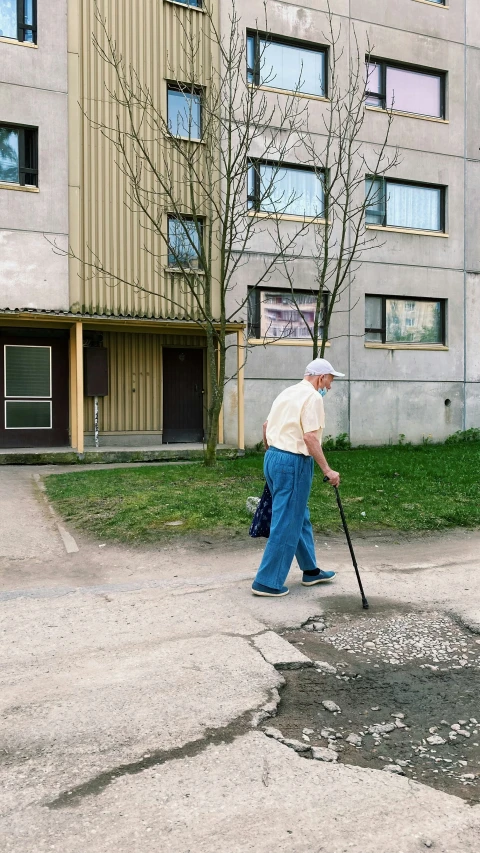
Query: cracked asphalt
[{"x": 134, "y": 685}]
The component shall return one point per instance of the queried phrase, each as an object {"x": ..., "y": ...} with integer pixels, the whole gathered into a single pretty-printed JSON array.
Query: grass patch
[{"x": 430, "y": 487}]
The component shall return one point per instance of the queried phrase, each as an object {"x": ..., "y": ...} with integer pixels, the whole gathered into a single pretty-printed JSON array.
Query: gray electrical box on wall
[{"x": 95, "y": 360}]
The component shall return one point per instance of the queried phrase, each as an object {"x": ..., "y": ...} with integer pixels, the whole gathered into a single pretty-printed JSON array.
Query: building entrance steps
[{"x": 110, "y": 455}]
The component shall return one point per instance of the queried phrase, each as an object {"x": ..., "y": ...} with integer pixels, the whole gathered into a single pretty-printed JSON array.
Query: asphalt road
[{"x": 130, "y": 678}]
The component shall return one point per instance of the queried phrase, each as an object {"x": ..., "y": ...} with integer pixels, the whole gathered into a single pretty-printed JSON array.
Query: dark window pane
[
  {"x": 375, "y": 193},
  {"x": 184, "y": 243},
  {"x": 9, "y": 163},
  {"x": 27, "y": 371},
  {"x": 374, "y": 97},
  {"x": 414, "y": 322},
  {"x": 196, "y": 3},
  {"x": 184, "y": 114},
  {"x": 250, "y": 59},
  {"x": 414, "y": 207},
  {"x": 28, "y": 12},
  {"x": 373, "y": 312},
  {"x": 8, "y": 19},
  {"x": 291, "y": 67},
  {"x": 28, "y": 414},
  {"x": 294, "y": 192},
  {"x": 414, "y": 92}
]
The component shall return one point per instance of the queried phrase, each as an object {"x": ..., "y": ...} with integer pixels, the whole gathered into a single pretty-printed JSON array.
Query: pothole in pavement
[{"x": 407, "y": 689}]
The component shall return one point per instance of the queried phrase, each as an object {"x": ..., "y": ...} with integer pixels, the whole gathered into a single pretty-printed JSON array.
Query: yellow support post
[
  {"x": 76, "y": 386},
  {"x": 220, "y": 418},
  {"x": 241, "y": 389}
]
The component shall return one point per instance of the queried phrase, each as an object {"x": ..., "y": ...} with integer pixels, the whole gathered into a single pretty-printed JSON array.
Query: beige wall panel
[
  {"x": 135, "y": 381},
  {"x": 151, "y": 38}
]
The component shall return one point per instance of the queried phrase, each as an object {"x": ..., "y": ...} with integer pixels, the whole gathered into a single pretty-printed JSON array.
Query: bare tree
[
  {"x": 350, "y": 174},
  {"x": 204, "y": 223}
]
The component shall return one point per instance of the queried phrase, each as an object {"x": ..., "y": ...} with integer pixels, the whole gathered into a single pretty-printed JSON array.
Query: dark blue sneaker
[
  {"x": 321, "y": 577},
  {"x": 268, "y": 591}
]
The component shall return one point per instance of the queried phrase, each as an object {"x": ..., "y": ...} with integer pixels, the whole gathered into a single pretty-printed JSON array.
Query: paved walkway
[{"x": 128, "y": 682}]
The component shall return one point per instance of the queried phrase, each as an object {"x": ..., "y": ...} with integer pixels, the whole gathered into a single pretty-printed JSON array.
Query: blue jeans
[{"x": 289, "y": 477}]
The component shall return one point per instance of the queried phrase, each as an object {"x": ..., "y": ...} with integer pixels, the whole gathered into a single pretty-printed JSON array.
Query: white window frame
[{"x": 27, "y": 400}]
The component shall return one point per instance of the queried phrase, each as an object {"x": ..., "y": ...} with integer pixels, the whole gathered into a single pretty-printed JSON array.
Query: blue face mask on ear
[{"x": 322, "y": 392}]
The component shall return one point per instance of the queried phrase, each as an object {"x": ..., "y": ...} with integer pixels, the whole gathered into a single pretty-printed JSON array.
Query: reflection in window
[
  {"x": 9, "y": 165},
  {"x": 285, "y": 190},
  {"x": 184, "y": 113},
  {"x": 392, "y": 320},
  {"x": 405, "y": 89},
  {"x": 279, "y": 314},
  {"x": 184, "y": 241},
  {"x": 282, "y": 65},
  {"x": 403, "y": 205},
  {"x": 18, "y": 20}
]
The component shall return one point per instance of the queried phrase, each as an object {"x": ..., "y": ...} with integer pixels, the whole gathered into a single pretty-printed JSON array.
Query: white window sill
[
  {"x": 434, "y": 347},
  {"x": 261, "y": 214},
  {"x": 17, "y": 43},
  {"x": 287, "y": 342},
  {"x": 289, "y": 92},
  {"x": 185, "y": 270},
  {"x": 407, "y": 115},
  {"x": 406, "y": 231},
  {"x": 430, "y": 3},
  {"x": 6, "y": 186}
]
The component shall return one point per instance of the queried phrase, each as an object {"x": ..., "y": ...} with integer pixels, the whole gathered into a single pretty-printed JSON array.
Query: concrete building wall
[
  {"x": 417, "y": 391},
  {"x": 33, "y": 92}
]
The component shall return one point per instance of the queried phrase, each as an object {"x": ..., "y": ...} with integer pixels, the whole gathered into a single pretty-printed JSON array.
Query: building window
[
  {"x": 409, "y": 90},
  {"x": 184, "y": 111},
  {"x": 19, "y": 155},
  {"x": 28, "y": 375},
  {"x": 405, "y": 205},
  {"x": 196, "y": 3},
  {"x": 286, "y": 65},
  {"x": 278, "y": 314},
  {"x": 18, "y": 20},
  {"x": 184, "y": 242},
  {"x": 405, "y": 321},
  {"x": 285, "y": 190}
]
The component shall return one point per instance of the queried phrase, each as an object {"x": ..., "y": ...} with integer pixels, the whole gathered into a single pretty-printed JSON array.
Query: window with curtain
[
  {"x": 286, "y": 65},
  {"x": 405, "y": 205},
  {"x": 285, "y": 190},
  {"x": 18, "y": 20},
  {"x": 18, "y": 155},
  {"x": 281, "y": 315},
  {"x": 407, "y": 321},
  {"x": 184, "y": 240},
  {"x": 184, "y": 112},
  {"x": 406, "y": 89}
]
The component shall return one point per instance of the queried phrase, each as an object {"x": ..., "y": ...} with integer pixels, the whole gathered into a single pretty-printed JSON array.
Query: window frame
[
  {"x": 22, "y": 28},
  {"x": 254, "y": 327},
  {"x": 443, "y": 204},
  {"x": 195, "y": 267},
  {"x": 174, "y": 86},
  {"x": 188, "y": 4},
  {"x": 383, "y": 331},
  {"x": 255, "y": 208},
  {"x": 314, "y": 47},
  {"x": 24, "y": 170},
  {"x": 383, "y": 64}
]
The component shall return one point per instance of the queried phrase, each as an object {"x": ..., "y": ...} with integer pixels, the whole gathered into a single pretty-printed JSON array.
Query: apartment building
[
  {"x": 407, "y": 337},
  {"x": 407, "y": 342}
]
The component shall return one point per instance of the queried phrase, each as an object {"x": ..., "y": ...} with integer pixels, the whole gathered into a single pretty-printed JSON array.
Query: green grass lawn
[{"x": 398, "y": 488}]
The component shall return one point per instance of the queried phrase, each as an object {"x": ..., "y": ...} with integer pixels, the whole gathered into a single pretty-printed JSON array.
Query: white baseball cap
[{"x": 320, "y": 367}]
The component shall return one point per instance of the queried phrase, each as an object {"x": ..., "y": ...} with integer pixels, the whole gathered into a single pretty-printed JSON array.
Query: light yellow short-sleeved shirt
[{"x": 297, "y": 410}]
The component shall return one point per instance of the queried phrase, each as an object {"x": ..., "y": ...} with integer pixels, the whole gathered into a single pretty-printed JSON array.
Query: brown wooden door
[
  {"x": 182, "y": 395},
  {"x": 34, "y": 395}
]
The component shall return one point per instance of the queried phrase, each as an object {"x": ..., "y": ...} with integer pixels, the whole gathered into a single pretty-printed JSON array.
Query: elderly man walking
[{"x": 292, "y": 435}]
